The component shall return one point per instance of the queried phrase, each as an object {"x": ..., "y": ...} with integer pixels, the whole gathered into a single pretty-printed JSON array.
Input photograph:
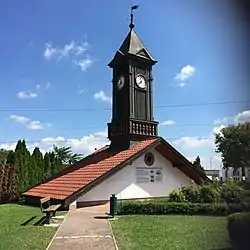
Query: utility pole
[{"x": 210, "y": 163}]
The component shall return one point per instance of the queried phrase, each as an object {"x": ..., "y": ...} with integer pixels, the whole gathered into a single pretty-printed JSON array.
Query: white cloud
[
  {"x": 243, "y": 117},
  {"x": 68, "y": 50},
  {"x": 85, "y": 63},
  {"x": 29, "y": 123},
  {"x": 27, "y": 95},
  {"x": 217, "y": 129},
  {"x": 185, "y": 73},
  {"x": 206, "y": 144},
  {"x": 102, "y": 96},
  {"x": 85, "y": 145},
  {"x": 75, "y": 52},
  {"x": 193, "y": 142},
  {"x": 35, "y": 125},
  {"x": 49, "y": 51},
  {"x": 89, "y": 143},
  {"x": 19, "y": 119},
  {"x": 224, "y": 120},
  {"x": 168, "y": 123},
  {"x": 8, "y": 146},
  {"x": 53, "y": 139}
]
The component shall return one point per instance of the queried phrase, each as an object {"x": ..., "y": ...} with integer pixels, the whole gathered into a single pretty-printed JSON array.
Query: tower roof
[{"x": 132, "y": 45}]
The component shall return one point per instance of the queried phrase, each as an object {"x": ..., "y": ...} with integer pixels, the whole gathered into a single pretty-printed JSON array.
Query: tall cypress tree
[
  {"x": 11, "y": 158},
  {"x": 47, "y": 166},
  {"x": 53, "y": 163},
  {"x": 19, "y": 161},
  {"x": 39, "y": 165},
  {"x": 26, "y": 166}
]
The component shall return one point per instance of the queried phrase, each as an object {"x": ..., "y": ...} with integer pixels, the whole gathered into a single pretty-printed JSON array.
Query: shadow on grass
[
  {"x": 28, "y": 221},
  {"x": 40, "y": 222}
]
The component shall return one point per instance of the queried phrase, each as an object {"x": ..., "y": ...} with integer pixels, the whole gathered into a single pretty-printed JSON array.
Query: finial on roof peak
[{"x": 131, "y": 25}]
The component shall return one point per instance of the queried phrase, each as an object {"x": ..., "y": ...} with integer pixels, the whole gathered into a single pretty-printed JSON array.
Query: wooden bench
[{"x": 50, "y": 210}]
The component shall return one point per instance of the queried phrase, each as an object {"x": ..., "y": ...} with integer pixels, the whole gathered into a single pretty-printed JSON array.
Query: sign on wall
[{"x": 147, "y": 175}]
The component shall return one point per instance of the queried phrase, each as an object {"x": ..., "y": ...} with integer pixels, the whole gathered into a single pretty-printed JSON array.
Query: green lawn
[
  {"x": 171, "y": 232},
  {"x": 19, "y": 229}
]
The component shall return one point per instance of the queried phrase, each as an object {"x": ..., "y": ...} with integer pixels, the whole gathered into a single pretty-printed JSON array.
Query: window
[
  {"x": 140, "y": 105},
  {"x": 149, "y": 159}
]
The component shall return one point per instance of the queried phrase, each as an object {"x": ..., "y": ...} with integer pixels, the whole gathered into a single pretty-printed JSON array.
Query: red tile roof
[{"x": 86, "y": 171}]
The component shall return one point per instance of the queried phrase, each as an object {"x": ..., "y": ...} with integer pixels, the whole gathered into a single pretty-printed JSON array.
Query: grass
[
  {"x": 172, "y": 232},
  {"x": 20, "y": 228}
]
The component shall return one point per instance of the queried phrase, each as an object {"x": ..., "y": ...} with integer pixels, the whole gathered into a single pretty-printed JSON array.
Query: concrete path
[{"x": 84, "y": 228}]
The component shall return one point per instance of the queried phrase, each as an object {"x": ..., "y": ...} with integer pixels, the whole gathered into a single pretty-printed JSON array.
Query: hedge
[
  {"x": 229, "y": 192},
  {"x": 187, "y": 208},
  {"x": 239, "y": 230}
]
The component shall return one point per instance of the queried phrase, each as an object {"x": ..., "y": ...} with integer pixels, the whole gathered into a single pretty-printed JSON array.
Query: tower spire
[{"x": 131, "y": 25}]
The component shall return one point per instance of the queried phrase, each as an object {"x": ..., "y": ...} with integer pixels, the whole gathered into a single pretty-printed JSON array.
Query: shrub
[
  {"x": 238, "y": 207},
  {"x": 177, "y": 196},
  {"x": 246, "y": 195},
  {"x": 198, "y": 194},
  {"x": 191, "y": 193},
  {"x": 231, "y": 192},
  {"x": 238, "y": 229},
  {"x": 208, "y": 194},
  {"x": 187, "y": 208}
]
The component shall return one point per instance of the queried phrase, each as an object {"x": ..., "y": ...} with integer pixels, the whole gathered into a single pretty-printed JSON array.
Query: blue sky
[{"x": 54, "y": 55}]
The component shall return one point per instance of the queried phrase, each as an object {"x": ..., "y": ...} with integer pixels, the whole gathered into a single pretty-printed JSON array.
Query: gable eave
[{"x": 184, "y": 162}]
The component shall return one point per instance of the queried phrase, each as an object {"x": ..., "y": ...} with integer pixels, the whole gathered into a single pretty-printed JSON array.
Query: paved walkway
[{"x": 84, "y": 228}]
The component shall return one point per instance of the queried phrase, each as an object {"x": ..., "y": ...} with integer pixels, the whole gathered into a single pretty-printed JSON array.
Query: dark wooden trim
[{"x": 185, "y": 161}]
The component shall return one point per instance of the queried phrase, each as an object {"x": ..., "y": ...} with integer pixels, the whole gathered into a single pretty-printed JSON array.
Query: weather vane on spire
[{"x": 131, "y": 25}]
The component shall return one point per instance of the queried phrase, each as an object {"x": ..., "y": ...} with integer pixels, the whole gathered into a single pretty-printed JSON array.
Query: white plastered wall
[{"x": 124, "y": 184}]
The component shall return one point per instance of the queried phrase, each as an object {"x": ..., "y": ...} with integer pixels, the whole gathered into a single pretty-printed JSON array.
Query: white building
[
  {"x": 138, "y": 163},
  {"x": 237, "y": 174}
]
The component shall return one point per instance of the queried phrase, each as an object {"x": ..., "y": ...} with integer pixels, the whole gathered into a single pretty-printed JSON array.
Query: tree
[
  {"x": 75, "y": 158},
  {"x": 22, "y": 158},
  {"x": 3, "y": 155},
  {"x": 233, "y": 142},
  {"x": 65, "y": 155},
  {"x": 39, "y": 167},
  {"x": 47, "y": 166},
  {"x": 11, "y": 158},
  {"x": 197, "y": 164}
]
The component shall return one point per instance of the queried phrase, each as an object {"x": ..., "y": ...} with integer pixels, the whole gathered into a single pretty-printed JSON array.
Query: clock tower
[{"x": 132, "y": 82}]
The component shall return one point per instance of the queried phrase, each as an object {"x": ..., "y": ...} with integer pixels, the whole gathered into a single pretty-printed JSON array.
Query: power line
[
  {"x": 109, "y": 109},
  {"x": 95, "y": 140}
]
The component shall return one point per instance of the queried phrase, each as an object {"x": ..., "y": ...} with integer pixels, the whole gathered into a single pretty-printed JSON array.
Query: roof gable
[
  {"x": 86, "y": 172},
  {"x": 178, "y": 160},
  {"x": 79, "y": 178}
]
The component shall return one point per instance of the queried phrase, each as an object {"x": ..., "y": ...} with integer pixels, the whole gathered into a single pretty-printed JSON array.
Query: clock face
[
  {"x": 120, "y": 82},
  {"x": 141, "y": 82}
]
